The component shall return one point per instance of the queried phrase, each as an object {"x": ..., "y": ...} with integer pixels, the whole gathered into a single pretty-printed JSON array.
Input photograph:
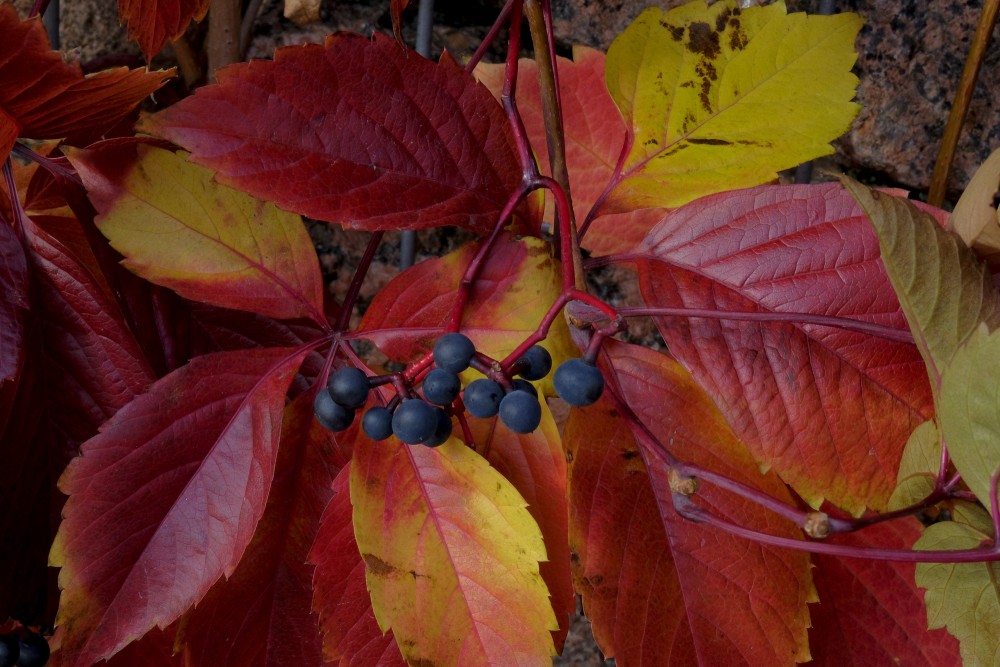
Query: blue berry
[
  {"x": 377, "y": 423},
  {"x": 524, "y": 385},
  {"x": 349, "y": 387},
  {"x": 441, "y": 387},
  {"x": 578, "y": 382},
  {"x": 539, "y": 363},
  {"x": 34, "y": 650},
  {"x": 520, "y": 411},
  {"x": 414, "y": 421},
  {"x": 453, "y": 352},
  {"x": 482, "y": 398},
  {"x": 10, "y": 649},
  {"x": 442, "y": 431},
  {"x": 331, "y": 414}
]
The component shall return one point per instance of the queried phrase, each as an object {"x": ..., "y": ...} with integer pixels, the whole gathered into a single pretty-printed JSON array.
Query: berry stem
[
  {"x": 491, "y": 36},
  {"x": 347, "y": 308}
]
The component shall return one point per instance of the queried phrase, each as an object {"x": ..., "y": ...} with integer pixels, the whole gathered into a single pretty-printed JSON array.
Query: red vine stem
[
  {"x": 491, "y": 36},
  {"x": 347, "y": 308}
]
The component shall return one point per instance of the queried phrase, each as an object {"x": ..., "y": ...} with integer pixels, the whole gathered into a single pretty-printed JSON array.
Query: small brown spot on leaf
[
  {"x": 676, "y": 31},
  {"x": 378, "y": 567},
  {"x": 702, "y": 39},
  {"x": 738, "y": 37},
  {"x": 651, "y": 142},
  {"x": 710, "y": 142},
  {"x": 629, "y": 454}
]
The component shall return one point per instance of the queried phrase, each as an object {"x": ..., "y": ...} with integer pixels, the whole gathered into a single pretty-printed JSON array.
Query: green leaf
[
  {"x": 918, "y": 468},
  {"x": 943, "y": 288},
  {"x": 969, "y": 410},
  {"x": 702, "y": 87},
  {"x": 963, "y": 597}
]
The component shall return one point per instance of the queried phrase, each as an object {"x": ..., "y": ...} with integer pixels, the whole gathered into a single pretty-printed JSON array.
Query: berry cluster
[
  {"x": 428, "y": 421},
  {"x": 24, "y": 649}
]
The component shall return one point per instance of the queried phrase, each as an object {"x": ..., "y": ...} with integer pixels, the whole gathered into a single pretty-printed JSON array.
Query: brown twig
[
  {"x": 224, "y": 19},
  {"x": 966, "y": 86},
  {"x": 187, "y": 62}
]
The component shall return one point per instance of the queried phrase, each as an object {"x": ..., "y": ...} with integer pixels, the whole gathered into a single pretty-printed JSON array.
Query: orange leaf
[{"x": 153, "y": 23}]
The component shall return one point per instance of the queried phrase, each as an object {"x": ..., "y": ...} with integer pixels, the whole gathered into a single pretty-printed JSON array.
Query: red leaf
[
  {"x": 351, "y": 635},
  {"x": 46, "y": 98},
  {"x": 396, "y": 8},
  {"x": 358, "y": 132},
  {"x": 153, "y": 23},
  {"x": 14, "y": 307},
  {"x": 536, "y": 465},
  {"x": 595, "y": 134},
  {"x": 871, "y": 612},
  {"x": 737, "y": 602},
  {"x": 264, "y": 610},
  {"x": 827, "y": 409},
  {"x": 177, "y": 480}
]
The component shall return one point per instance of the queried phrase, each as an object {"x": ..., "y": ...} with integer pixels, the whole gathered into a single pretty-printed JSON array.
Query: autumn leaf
[
  {"x": 518, "y": 282},
  {"x": 943, "y": 288},
  {"x": 969, "y": 410},
  {"x": 594, "y": 136},
  {"x": 176, "y": 227},
  {"x": 975, "y": 218},
  {"x": 962, "y": 597},
  {"x": 396, "y": 8},
  {"x": 153, "y": 24},
  {"x": 715, "y": 97},
  {"x": 918, "y": 468},
  {"x": 178, "y": 480},
  {"x": 764, "y": 590},
  {"x": 44, "y": 97},
  {"x": 451, "y": 556},
  {"x": 302, "y": 12},
  {"x": 828, "y": 409},
  {"x": 535, "y": 464},
  {"x": 14, "y": 308},
  {"x": 361, "y": 133},
  {"x": 351, "y": 636},
  {"x": 871, "y": 612},
  {"x": 265, "y": 609}
]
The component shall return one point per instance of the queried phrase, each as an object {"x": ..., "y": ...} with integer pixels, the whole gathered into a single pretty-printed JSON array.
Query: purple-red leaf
[
  {"x": 153, "y": 23},
  {"x": 165, "y": 499},
  {"x": 358, "y": 132},
  {"x": 826, "y": 408},
  {"x": 351, "y": 636},
  {"x": 14, "y": 307}
]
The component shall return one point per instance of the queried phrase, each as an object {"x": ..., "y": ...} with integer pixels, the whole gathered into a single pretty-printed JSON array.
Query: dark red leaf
[
  {"x": 828, "y": 409},
  {"x": 44, "y": 97},
  {"x": 177, "y": 481},
  {"x": 351, "y": 636},
  {"x": 14, "y": 307},
  {"x": 358, "y": 132},
  {"x": 396, "y": 8},
  {"x": 871, "y": 612},
  {"x": 262, "y": 615},
  {"x": 153, "y": 23}
]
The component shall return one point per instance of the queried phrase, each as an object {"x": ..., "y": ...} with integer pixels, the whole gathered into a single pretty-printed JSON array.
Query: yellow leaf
[
  {"x": 451, "y": 556},
  {"x": 963, "y": 597},
  {"x": 975, "y": 219},
  {"x": 918, "y": 467},
  {"x": 718, "y": 98},
  {"x": 180, "y": 229}
]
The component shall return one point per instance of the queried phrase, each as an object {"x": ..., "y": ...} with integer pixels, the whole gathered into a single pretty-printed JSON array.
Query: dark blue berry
[
  {"x": 524, "y": 385},
  {"x": 453, "y": 352},
  {"x": 482, "y": 398},
  {"x": 349, "y": 387},
  {"x": 414, "y": 421},
  {"x": 330, "y": 413},
  {"x": 539, "y": 363},
  {"x": 578, "y": 382},
  {"x": 520, "y": 412},
  {"x": 34, "y": 650},
  {"x": 441, "y": 387},
  {"x": 442, "y": 431},
  {"x": 10, "y": 649},
  {"x": 377, "y": 423}
]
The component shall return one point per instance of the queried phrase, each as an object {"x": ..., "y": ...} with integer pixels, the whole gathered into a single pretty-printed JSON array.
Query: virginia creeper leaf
[
  {"x": 451, "y": 556},
  {"x": 943, "y": 288},
  {"x": 535, "y": 464},
  {"x": 594, "y": 135},
  {"x": 975, "y": 218},
  {"x": 962, "y": 597},
  {"x": 702, "y": 89},
  {"x": 14, "y": 306},
  {"x": 176, "y": 227},
  {"x": 969, "y": 411},
  {"x": 264, "y": 610},
  {"x": 517, "y": 284},
  {"x": 871, "y": 612},
  {"x": 44, "y": 97},
  {"x": 763, "y": 589},
  {"x": 396, "y": 8},
  {"x": 177, "y": 481},
  {"x": 918, "y": 468},
  {"x": 828, "y": 409},
  {"x": 358, "y": 132},
  {"x": 154, "y": 649},
  {"x": 153, "y": 23},
  {"x": 351, "y": 636}
]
